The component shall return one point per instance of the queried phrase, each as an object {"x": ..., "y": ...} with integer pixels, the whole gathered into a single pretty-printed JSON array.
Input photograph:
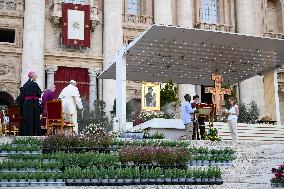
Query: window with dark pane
[{"x": 7, "y": 35}]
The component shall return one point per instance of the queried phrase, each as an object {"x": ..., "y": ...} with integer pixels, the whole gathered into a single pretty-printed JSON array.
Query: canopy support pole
[{"x": 121, "y": 89}]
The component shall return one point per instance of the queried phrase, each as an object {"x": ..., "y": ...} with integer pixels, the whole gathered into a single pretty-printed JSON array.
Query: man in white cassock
[{"x": 70, "y": 97}]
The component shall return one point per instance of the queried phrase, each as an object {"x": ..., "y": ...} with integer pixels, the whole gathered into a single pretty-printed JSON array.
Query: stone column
[
  {"x": 226, "y": 12},
  {"x": 185, "y": 10},
  {"x": 232, "y": 8},
  {"x": 221, "y": 12},
  {"x": 271, "y": 95},
  {"x": 197, "y": 11},
  {"x": 50, "y": 72},
  {"x": 163, "y": 12},
  {"x": 112, "y": 42},
  {"x": 93, "y": 72},
  {"x": 33, "y": 40},
  {"x": 247, "y": 23}
]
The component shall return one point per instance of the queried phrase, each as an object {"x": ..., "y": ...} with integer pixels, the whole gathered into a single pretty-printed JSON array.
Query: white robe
[{"x": 70, "y": 97}]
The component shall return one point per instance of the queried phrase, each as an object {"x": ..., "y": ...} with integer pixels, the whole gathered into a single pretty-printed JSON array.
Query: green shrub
[
  {"x": 248, "y": 113},
  {"x": 169, "y": 94}
]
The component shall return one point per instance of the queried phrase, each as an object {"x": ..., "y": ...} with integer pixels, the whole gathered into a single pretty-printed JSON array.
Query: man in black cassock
[
  {"x": 20, "y": 103},
  {"x": 31, "y": 106}
]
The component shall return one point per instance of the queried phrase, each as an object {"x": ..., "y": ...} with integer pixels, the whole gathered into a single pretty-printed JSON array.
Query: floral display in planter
[
  {"x": 278, "y": 178},
  {"x": 162, "y": 156}
]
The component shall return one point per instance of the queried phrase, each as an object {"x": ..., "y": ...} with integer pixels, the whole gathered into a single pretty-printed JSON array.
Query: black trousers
[{"x": 200, "y": 134}]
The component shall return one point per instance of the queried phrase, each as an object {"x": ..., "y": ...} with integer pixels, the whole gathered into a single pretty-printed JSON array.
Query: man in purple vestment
[{"x": 48, "y": 95}]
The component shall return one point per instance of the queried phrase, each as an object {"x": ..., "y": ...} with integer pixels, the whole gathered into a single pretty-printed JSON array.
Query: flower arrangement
[
  {"x": 148, "y": 115},
  {"x": 162, "y": 156},
  {"x": 278, "y": 174},
  {"x": 212, "y": 135}
]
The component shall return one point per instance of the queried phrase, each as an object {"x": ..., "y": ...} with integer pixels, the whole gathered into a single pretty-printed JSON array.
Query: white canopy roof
[{"x": 183, "y": 55}]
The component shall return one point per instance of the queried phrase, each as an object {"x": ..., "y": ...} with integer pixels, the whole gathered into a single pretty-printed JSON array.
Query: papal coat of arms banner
[{"x": 75, "y": 25}]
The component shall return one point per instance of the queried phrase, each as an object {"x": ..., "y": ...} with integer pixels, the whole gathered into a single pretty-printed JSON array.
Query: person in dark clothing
[
  {"x": 200, "y": 120},
  {"x": 20, "y": 102},
  {"x": 31, "y": 106}
]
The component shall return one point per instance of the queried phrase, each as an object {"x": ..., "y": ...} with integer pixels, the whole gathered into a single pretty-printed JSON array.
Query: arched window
[
  {"x": 134, "y": 7},
  {"x": 209, "y": 11},
  {"x": 274, "y": 16}
]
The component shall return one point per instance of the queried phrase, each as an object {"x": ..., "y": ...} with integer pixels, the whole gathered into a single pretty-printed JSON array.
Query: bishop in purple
[{"x": 48, "y": 95}]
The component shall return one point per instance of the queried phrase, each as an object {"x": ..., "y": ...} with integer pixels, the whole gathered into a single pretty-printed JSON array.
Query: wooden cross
[{"x": 218, "y": 93}]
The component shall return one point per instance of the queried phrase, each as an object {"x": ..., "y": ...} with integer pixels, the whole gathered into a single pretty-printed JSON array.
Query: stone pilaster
[
  {"x": 50, "y": 72},
  {"x": 163, "y": 12},
  {"x": 185, "y": 9},
  {"x": 33, "y": 40},
  {"x": 247, "y": 23},
  {"x": 93, "y": 73},
  {"x": 112, "y": 42}
]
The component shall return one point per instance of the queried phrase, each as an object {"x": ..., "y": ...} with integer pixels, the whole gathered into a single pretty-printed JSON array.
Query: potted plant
[
  {"x": 211, "y": 160},
  {"x": 197, "y": 175},
  {"x": 211, "y": 175},
  {"x": 95, "y": 175},
  {"x": 189, "y": 176},
  {"x": 204, "y": 176},
  {"x": 13, "y": 181},
  {"x": 104, "y": 175},
  {"x": 181, "y": 174},
  {"x": 42, "y": 178},
  {"x": 57, "y": 177},
  {"x": 120, "y": 175},
  {"x": 168, "y": 175},
  {"x": 111, "y": 175},
  {"x": 34, "y": 150},
  {"x": 4, "y": 177},
  {"x": 128, "y": 178},
  {"x": 199, "y": 160},
  {"x": 175, "y": 175},
  {"x": 33, "y": 179},
  {"x": 144, "y": 175},
  {"x": 23, "y": 181},
  {"x": 218, "y": 161},
  {"x": 159, "y": 175},
  {"x": 136, "y": 175},
  {"x": 206, "y": 160},
  {"x": 218, "y": 176}
]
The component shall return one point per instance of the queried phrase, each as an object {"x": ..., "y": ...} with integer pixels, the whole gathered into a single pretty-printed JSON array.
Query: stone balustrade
[
  {"x": 274, "y": 35},
  {"x": 56, "y": 12},
  {"x": 138, "y": 20},
  {"x": 216, "y": 27}
]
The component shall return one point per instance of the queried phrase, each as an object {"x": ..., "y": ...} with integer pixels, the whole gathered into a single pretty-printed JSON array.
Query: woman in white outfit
[{"x": 233, "y": 118}]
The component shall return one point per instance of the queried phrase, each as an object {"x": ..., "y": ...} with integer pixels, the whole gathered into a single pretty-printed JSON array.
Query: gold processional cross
[{"x": 218, "y": 93}]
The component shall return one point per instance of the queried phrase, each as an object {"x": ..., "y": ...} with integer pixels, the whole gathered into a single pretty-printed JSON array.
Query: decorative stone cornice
[
  {"x": 93, "y": 72},
  {"x": 50, "y": 68}
]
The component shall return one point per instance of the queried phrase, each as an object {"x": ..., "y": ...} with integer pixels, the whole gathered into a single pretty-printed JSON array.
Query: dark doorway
[
  {"x": 205, "y": 97},
  {"x": 6, "y": 99}
]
